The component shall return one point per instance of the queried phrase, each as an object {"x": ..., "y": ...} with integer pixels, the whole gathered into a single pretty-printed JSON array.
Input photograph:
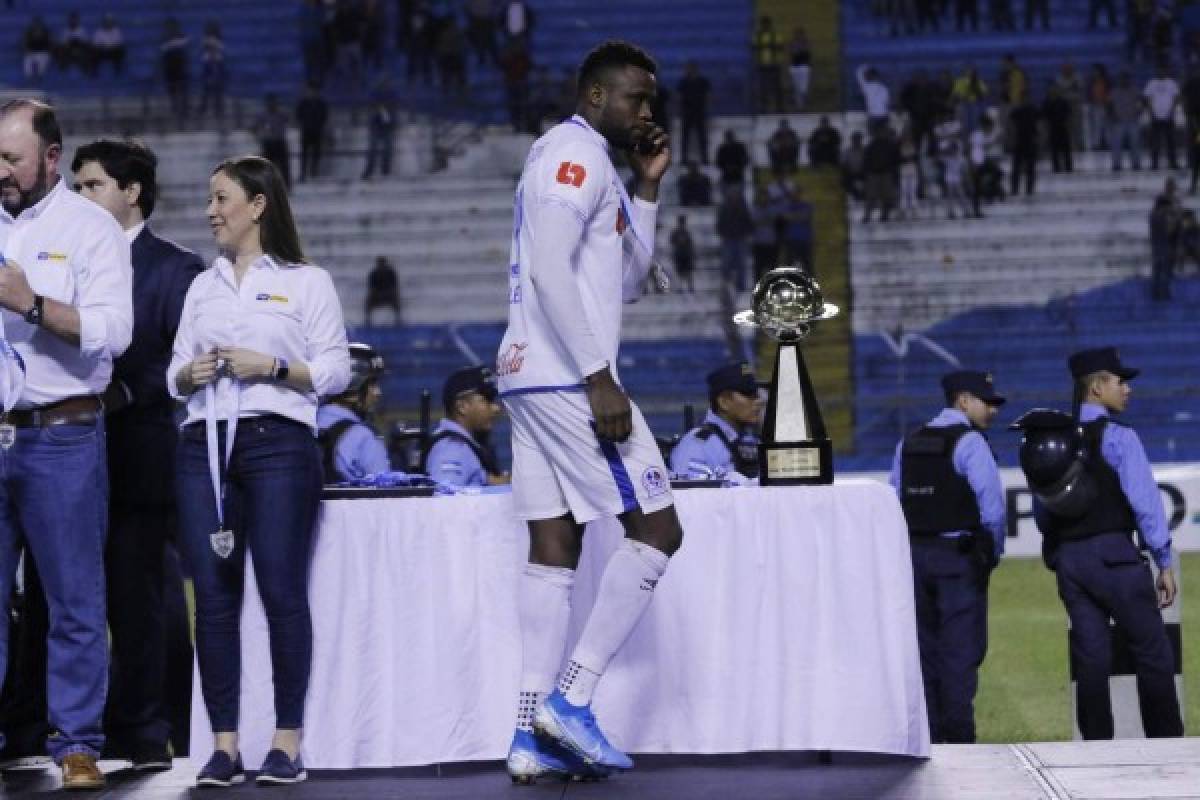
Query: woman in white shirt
[{"x": 260, "y": 337}]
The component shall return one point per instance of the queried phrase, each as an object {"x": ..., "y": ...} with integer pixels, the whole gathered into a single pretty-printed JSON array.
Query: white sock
[
  {"x": 625, "y": 591},
  {"x": 544, "y": 606}
]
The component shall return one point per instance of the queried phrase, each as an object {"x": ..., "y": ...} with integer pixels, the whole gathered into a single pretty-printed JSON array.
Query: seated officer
[
  {"x": 1100, "y": 573},
  {"x": 953, "y": 501},
  {"x": 724, "y": 442},
  {"x": 454, "y": 453},
  {"x": 350, "y": 447}
]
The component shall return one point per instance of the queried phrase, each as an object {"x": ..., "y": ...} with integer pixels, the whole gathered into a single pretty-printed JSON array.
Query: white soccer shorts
[{"x": 558, "y": 464}]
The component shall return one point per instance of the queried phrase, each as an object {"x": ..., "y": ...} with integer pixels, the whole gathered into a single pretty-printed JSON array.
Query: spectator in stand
[
  {"x": 1124, "y": 132},
  {"x": 881, "y": 169},
  {"x": 800, "y": 55},
  {"x": 271, "y": 129},
  {"x": 683, "y": 253},
  {"x": 695, "y": 188},
  {"x": 735, "y": 226},
  {"x": 312, "y": 115},
  {"x": 987, "y": 146},
  {"x": 1001, "y": 13},
  {"x": 517, "y": 21},
  {"x": 383, "y": 291},
  {"x": 1094, "y": 9},
  {"x": 732, "y": 159},
  {"x": 374, "y": 25},
  {"x": 1013, "y": 82},
  {"x": 1024, "y": 119},
  {"x": 918, "y": 102},
  {"x": 794, "y": 222},
  {"x": 1039, "y": 8},
  {"x": 1161, "y": 97},
  {"x": 783, "y": 149},
  {"x": 876, "y": 96},
  {"x": 1188, "y": 240},
  {"x": 1162, "y": 30},
  {"x": 108, "y": 45},
  {"x": 852, "y": 166},
  {"x": 824, "y": 145},
  {"x": 954, "y": 175},
  {"x": 312, "y": 41},
  {"x": 36, "y": 44},
  {"x": 968, "y": 94},
  {"x": 213, "y": 75},
  {"x": 768, "y": 241},
  {"x": 1162, "y": 249},
  {"x": 910, "y": 177},
  {"x": 966, "y": 11},
  {"x": 348, "y": 25},
  {"x": 1057, "y": 112},
  {"x": 173, "y": 53},
  {"x": 452, "y": 58},
  {"x": 694, "y": 89},
  {"x": 1138, "y": 28},
  {"x": 768, "y": 62},
  {"x": 515, "y": 66},
  {"x": 481, "y": 30},
  {"x": 1070, "y": 87},
  {"x": 381, "y": 134},
  {"x": 1095, "y": 125},
  {"x": 422, "y": 33},
  {"x": 75, "y": 48}
]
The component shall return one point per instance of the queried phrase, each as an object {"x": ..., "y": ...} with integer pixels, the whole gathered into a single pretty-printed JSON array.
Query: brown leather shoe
[{"x": 79, "y": 771}]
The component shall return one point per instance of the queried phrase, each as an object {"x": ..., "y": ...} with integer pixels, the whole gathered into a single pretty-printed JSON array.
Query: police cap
[
  {"x": 738, "y": 377},
  {"x": 1100, "y": 359},
  {"x": 973, "y": 382},
  {"x": 468, "y": 379}
]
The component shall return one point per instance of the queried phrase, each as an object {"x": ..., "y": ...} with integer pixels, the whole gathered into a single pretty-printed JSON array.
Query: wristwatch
[
  {"x": 34, "y": 315},
  {"x": 281, "y": 369}
]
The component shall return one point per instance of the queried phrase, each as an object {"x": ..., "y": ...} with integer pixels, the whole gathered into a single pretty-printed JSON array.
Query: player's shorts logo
[
  {"x": 571, "y": 174},
  {"x": 654, "y": 481}
]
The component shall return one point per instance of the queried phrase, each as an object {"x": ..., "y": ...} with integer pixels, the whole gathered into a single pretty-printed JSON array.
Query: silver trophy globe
[{"x": 795, "y": 448}]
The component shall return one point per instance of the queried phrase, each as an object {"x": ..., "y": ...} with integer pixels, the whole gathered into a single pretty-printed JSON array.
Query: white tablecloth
[{"x": 785, "y": 622}]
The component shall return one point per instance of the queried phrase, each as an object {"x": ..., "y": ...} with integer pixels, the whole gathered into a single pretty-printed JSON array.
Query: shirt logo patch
[
  {"x": 270, "y": 298},
  {"x": 654, "y": 481},
  {"x": 571, "y": 174},
  {"x": 48, "y": 255}
]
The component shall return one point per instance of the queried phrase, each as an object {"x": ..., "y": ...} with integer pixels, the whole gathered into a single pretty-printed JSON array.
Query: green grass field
[{"x": 1023, "y": 687}]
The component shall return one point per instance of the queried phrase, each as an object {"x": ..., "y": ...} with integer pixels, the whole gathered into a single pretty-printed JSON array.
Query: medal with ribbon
[{"x": 222, "y": 540}]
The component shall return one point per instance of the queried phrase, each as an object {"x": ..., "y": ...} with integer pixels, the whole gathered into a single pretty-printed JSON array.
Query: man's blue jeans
[{"x": 54, "y": 496}]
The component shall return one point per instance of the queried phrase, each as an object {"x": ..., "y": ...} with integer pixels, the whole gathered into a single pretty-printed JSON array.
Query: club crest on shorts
[
  {"x": 222, "y": 543},
  {"x": 654, "y": 481}
]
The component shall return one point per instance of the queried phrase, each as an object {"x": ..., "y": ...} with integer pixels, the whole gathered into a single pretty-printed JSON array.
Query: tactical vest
[
  {"x": 743, "y": 452},
  {"x": 486, "y": 460},
  {"x": 328, "y": 441},
  {"x": 1111, "y": 512},
  {"x": 935, "y": 498}
]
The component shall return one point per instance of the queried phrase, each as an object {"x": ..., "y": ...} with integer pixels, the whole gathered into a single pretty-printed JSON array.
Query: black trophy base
[{"x": 807, "y": 463}]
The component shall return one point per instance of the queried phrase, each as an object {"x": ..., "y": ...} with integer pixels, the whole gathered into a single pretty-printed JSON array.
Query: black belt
[{"x": 83, "y": 410}]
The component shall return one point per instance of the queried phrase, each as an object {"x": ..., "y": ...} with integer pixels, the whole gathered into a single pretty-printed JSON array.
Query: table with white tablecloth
[{"x": 785, "y": 622}]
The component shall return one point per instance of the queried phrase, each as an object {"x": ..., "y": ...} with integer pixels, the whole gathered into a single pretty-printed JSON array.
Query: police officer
[
  {"x": 724, "y": 442},
  {"x": 454, "y": 453},
  {"x": 1100, "y": 573},
  {"x": 953, "y": 501},
  {"x": 350, "y": 447}
]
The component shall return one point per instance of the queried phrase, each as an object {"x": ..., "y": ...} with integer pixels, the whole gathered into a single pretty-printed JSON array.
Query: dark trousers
[
  {"x": 146, "y": 611},
  {"x": 964, "y": 11},
  {"x": 1101, "y": 578},
  {"x": 1094, "y": 8},
  {"x": 276, "y": 151},
  {"x": 310, "y": 154},
  {"x": 1039, "y": 8},
  {"x": 23, "y": 701},
  {"x": 1024, "y": 163},
  {"x": 1162, "y": 131},
  {"x": 951, "y": 601},
  {"x": 379, "y": 149},
  {"x": 1060, "y": 149},
  {"x": 273, "y": 490},
  {"x": 698, "y": 125}
]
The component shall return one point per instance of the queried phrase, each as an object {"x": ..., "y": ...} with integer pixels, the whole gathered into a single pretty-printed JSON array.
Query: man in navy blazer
[{"x": 145, "y": 591}]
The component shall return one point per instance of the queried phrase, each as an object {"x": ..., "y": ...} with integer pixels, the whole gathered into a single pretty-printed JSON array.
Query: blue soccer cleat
[
  {"x": 575, "y": 728},
  {"x": 532, "y": 757}
]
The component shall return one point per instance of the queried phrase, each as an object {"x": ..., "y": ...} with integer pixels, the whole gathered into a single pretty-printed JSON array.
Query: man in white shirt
[
  {"x": 66, "y": 294},
  {"x": 108, "y": 44},
  {"x": 581, "y": 450},
  {"x": 876, "y": 95},
  {"x": 1161, "y": 96}
]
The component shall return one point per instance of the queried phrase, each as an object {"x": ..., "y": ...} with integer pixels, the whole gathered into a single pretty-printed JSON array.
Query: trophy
[{"x": 795, "y": 448}]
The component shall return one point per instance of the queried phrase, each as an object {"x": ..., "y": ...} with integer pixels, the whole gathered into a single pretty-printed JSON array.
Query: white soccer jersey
[{"x": 569, "y": 168}]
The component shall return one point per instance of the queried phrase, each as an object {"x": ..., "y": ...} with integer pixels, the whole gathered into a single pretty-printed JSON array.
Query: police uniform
[
  {"x": 453, "y": 455},
  {"x": 350, "y": 448},
  {"x": 1102, "y": 576},
  {"x": 714, "y": 448},
  {"x": 953, "y": 501}
]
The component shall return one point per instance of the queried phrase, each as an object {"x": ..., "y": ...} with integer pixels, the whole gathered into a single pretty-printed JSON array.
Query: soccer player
[{"x": 581, "y": 450}]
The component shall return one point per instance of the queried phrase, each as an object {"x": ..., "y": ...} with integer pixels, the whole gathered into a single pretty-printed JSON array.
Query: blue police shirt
[
  {"x": 1123, "y": 450},
  {"x": 358, "y": 452},
  {"x": 700, "y": 458},
  {"x": 453, "y": 461},
  {"x": 973, "y": 459}
]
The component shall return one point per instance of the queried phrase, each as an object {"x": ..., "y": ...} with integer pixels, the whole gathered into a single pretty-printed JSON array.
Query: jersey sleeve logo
[{"x": 571, "y": 174}]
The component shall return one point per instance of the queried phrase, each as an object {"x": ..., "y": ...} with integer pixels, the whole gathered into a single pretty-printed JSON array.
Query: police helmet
[
  {"x": 1053, "y": 456},
  {"x": 365, "y": 365}
]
